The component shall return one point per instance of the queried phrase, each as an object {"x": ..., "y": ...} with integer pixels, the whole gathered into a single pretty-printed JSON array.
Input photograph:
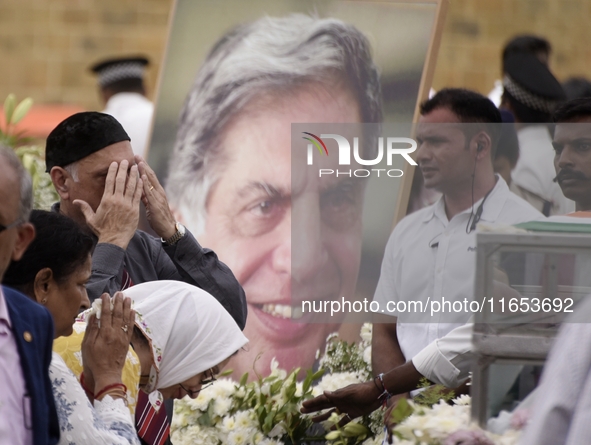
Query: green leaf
[
  {"x": 318, "y": 374},
  {"x": 290, "y": 391},
  {"x": 269, "y": 422},
  {"x": 243, "y": 379},
  {"x": 21, "y": 110},
  {"x": 432, "y": 394},
  {"x": 401, "y": 411},
  {"x": 275, "y": 387},
  {"x": 204, "y": 420},
  {"x": 9, "y": 104},
  {"x": 355, "y": 429},
  {"x": 261, "y": 414},
  {"x": 307, "y": 381},
  {"x": 333, "y": 435}
]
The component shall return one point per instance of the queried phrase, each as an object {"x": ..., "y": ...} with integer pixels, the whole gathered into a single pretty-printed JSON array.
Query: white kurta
[
  {"x": 535, "y": 171},
  {"x": 562, "y": 407},
  {"x": 134, "y": 112},
  {"x": 429, "y": 258},
  {"x": 108, "y": 422}
]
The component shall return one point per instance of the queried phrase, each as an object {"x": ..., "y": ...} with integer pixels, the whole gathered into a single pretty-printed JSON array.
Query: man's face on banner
[{"x": 260, "y": 207}]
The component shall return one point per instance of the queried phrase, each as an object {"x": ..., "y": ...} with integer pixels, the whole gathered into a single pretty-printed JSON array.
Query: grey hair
[
  {"x": 25, "y": 182},
  {"x": 72, "y": 169},
  {"x": 269, "y": 55}
]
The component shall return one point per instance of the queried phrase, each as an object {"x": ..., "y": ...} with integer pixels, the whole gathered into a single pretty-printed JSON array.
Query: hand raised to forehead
[
  {"x": 116, "y": 218},
  {"x": 105, "y": 344},
  {"x": 154, "y": 198}
]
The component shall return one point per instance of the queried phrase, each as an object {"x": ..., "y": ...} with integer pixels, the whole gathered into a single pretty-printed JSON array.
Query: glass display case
[{"x": 526, "y": 285}]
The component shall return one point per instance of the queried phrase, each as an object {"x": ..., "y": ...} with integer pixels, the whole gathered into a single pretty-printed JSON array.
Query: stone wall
[
  {"x": 46, "y": 46},
  {"x": 475, "y": 32}
]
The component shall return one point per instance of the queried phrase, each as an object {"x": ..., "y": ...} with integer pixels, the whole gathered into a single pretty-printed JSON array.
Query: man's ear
[
  {"x": 483, "y": 144},
  {"x": 59, "y": 177},
  {"x": 25, "y": 234},
  {"x": 42, "y": 284}
]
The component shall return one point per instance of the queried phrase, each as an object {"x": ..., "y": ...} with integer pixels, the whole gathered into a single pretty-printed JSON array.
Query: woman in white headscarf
[{"x": 181, "y": 337}]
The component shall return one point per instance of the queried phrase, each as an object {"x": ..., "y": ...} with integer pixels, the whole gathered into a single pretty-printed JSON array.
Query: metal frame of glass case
[{"x": 515, "y": 338}]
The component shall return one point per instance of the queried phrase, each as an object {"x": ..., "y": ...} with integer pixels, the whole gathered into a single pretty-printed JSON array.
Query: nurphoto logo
[{"x": 393, "y": 147}]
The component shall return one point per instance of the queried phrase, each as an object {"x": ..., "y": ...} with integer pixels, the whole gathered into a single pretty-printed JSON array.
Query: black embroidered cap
[{"x": 81, "y": 135}]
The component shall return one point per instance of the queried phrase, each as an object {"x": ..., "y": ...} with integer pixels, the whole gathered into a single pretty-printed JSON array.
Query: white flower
[
  {"x": 266, "y": 388},
  {"x": 299, "y": 389},
  {"x": 332, "y": 336},
  {"x": 276, "y": 370},
  {"x": 221, "y": 406},
  {"x": 239, "y": 437},
  {"x": 245, "y": 420},
  {"x": 278, "y": 430},
  {"x": 221, "y": 388},
  {"x": 274, "y": 364},
  {"x": 240, "y": 393},
  {"x": 228, "y": 424},
  {"x": 366, "y": 332},
  {"x": 179, "y": 420},
  {"x": 464, "y": 399},
  {"x": 367, "y": 355},
  {"x": 332, "y": 382}
]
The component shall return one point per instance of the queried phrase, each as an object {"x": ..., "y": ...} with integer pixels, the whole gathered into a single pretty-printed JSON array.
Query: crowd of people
[{"x": 109, "y": 374}]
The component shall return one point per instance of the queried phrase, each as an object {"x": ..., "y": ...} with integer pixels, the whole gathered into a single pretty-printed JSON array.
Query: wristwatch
[{"x": 180, "y": 232}]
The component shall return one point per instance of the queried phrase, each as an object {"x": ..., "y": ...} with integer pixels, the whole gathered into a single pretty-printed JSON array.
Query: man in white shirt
[
  {"x": 431, "y": 254},
  {"x": 561, "y": 413},
  {"x": 122, "y": 90}
]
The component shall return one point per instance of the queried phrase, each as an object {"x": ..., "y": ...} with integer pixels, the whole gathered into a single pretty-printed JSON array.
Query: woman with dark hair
[
  {"x": 54, "y": 271},
  {"x": 55, "y": 268}
]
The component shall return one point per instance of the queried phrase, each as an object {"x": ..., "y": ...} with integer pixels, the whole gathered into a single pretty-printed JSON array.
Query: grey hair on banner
[{"x": 268, "y": 55}]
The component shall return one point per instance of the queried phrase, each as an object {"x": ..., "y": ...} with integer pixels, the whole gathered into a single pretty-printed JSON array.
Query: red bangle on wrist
[
  {"x": 107, "y": 388},
  {"x": 83, "y": 384}
]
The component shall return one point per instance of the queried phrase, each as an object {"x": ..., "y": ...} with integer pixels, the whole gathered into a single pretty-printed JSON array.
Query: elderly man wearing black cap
[
  {"x": 531, "y": 92},
  {"x": 122, "y": 91},
  {"x": 94, "y": 171},
  {"x": 100, "y": 183}
]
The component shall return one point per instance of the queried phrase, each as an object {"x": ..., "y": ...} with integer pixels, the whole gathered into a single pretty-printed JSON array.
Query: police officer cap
[
  {"x": 81, "y": 135},
  {"x": 530, "y": 82},
  {"x": 115, "y": 69}
]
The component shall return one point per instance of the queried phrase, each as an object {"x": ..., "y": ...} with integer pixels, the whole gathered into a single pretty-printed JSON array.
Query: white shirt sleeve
[
  {"x": 562, "y": 410},
  {"x": 448, "y": 359},
  {"x": 108, "y": 422}
]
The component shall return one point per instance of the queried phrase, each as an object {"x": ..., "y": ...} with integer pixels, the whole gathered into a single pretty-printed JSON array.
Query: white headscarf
[{"x": 189, "y": 331}]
